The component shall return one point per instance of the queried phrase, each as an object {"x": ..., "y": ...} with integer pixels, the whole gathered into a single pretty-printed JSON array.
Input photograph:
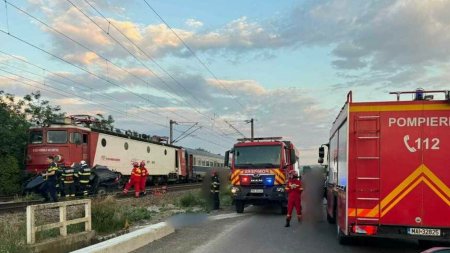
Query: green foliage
[
  {"x": 13, "y": 133},
  {"x": 10, "y": 175},
  {"x": 106, "y": 124},
  {"x": 191, "y": 200},
  {"x": 137, "y": 214},
  {"x": 107, "y": 216},
  {"x": 41, "y": 111}
]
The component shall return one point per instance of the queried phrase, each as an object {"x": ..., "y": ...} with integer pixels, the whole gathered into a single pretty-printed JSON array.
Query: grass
[
  {"x": 109, "y": 216},
  {"x": 13, "y": 234}
]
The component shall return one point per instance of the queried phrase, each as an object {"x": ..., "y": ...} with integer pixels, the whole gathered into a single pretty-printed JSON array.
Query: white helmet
[{"x": 83, "y": 162}]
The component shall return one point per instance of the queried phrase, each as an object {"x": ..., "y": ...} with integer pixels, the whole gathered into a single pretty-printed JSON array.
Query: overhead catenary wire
[
  {"x": 193, "y": 53},
  {"x": 61, "y": 93},
  {"x": 76, "y": 66},
  {"x": 137, "y": 59}
]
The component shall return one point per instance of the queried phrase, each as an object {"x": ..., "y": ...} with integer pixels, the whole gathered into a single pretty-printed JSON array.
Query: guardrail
[{"x": 63, "y": 222}]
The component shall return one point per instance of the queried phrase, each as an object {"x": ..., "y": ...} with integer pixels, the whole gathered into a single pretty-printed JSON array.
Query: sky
[{"x": 286, "y": 64}]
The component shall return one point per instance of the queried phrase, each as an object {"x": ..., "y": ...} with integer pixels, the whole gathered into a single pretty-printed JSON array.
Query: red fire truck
[
  {"x": 258, "y": 171},
  {"x": 389, "y": 168}
]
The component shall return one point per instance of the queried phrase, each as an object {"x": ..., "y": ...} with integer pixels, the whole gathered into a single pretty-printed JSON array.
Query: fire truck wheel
[
  {"x": 240, "y": 206},
  {"x": 342, "y": 238}
]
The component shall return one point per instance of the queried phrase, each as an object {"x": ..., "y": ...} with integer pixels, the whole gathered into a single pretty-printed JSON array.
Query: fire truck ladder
[{"x": 367, "y": 133}]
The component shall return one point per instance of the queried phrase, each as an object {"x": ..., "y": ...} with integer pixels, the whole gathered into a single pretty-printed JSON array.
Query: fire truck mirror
[
  {"x": 321, "y": 153},
  {"x": 292, "y": 156},
  {"x": 227, "y": 158},
  {"x": 320, "y": 160}
]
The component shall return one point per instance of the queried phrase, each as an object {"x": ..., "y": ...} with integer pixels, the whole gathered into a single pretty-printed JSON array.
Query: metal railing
[{"x": 32, "y": 229}]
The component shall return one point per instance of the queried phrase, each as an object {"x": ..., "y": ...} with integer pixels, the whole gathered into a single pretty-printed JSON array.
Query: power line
[
  {"x": 81, "y": 98},
  {"x": 193, "y": 53},
  {"x": 83, "y": 69}
]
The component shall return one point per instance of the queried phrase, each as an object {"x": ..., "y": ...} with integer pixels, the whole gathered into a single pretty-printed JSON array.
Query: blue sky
[{"x": 288, "y": 64}]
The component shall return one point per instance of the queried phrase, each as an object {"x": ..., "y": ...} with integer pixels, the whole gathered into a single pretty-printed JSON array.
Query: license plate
[
  {"x": 424, "y": 231},
  {"x": 256, "y": 190}
]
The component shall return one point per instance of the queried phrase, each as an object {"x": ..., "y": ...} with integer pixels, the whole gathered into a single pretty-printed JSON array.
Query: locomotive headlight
[{"x": 234, "y": 190}]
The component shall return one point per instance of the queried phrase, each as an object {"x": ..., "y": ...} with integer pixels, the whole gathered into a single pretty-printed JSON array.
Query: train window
[
  {"x": 56, "y": 136},
  {"x": 103, "y": 142},
  {"x": 125, "y": 145},
  {"x": 85, "y": 138},
  {"x": 148, "y": 149},
  {"x": 176, "y": 158},
  {"x": 75, "y": 138},
  {"x": 165, "y": 151},
  {"x": 36, "y": 137}
]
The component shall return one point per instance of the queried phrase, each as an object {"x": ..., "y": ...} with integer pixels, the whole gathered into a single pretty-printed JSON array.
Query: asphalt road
[{"x": 262, "y": 230}]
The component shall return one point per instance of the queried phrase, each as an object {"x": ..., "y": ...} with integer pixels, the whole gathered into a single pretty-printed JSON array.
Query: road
[{"x": 262, "y": 230}]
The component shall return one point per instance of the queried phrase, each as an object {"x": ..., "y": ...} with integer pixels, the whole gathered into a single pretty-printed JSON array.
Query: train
[{"x": 79, "y": 137}]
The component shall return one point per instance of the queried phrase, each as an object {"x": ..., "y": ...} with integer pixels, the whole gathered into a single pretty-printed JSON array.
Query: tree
[
  {"x": 10, "y": 175},
  {"x": 16, "y": 116},
  {"x": 41, "y": 111},
  {"x": 13, "y": 133},
  {"x": 106, "y": 124}
]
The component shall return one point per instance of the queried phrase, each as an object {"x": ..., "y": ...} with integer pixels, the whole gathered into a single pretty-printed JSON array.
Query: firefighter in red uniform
[
  {"x": 144, "y": 175},
  {"x": 135, "y": 180},
  {"x": 294, "y": 189}
]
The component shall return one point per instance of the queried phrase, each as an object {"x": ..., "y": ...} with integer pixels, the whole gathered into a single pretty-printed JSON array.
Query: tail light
[
  {"x": 245, "y": 180},
  {"x": 364, "y": 229}
]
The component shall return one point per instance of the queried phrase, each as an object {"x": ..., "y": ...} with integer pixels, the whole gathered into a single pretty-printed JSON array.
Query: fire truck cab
[
  {"x": 389, "y": 168},
  {"x": 259, "y": 168}
]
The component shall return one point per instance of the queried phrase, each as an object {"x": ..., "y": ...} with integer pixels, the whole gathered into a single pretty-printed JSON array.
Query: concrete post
[
  {"x": 30, "y": 225},
  {"x": 62, "y": 219}
]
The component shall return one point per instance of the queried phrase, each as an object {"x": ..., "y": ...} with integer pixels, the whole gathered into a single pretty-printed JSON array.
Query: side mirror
[
  {"x": 227, "y": 158},
  {"x": 320, "y": 160},
  {"x": 293, "y": 159},
  {"x": 321, "y": 152}
]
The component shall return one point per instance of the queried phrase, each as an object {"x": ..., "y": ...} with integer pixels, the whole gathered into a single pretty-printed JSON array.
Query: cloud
[{"x": 193, "y": 23}]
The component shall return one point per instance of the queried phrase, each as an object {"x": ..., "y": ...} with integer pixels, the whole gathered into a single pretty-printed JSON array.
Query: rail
[{"x": 63, "y": 222}]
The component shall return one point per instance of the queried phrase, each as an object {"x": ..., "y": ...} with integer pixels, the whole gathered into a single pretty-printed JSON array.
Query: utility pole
[
  {"x": 171, "y": 122},
  {"x": 252, "y": 132}
]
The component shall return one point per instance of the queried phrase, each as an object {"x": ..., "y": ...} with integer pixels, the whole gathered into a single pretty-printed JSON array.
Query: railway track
[{"x": 8, "y": 207}]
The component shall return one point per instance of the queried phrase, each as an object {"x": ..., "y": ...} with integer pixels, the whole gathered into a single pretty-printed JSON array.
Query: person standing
[
  {"x": 84, "y": 175},
  {"x": 215, "y": 189},
  {"x": 135, "y": 180},
  {"x": 294, "y": 189},
  {"x": 50, "y": 178},
  {"x": 68, "y": 179},
  {"x": 144, "y": 175}
]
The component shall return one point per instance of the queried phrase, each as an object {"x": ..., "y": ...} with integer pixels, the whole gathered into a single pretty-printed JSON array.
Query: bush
[
  {"x": 107, "y": 216},
  {"x": 10, "y": 175},
  {"x": 137, "y": 214},
  {"x": 190, "y": 200}
]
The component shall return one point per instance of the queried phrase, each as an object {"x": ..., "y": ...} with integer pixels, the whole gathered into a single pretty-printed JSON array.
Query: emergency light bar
[
  {"x": 420, "y": 93},
  {"x": 260, "y": 139}
]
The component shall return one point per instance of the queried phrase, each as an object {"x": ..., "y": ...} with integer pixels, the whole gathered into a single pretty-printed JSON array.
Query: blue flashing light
[{"x": 269, "y": 180}]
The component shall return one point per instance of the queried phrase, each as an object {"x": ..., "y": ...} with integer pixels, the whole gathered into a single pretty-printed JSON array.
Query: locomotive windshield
[
  {"x": 57, "y": 136},
  {"x": 36, "y": 137},
  {"x": 257, "y": 156}
]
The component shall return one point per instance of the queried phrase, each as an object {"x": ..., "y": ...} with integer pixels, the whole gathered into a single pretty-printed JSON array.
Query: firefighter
[
  {"x": 50, "y": 177},
  {"x": 135, "y": 180},
  {"x": 84, "y": 174},
  {"x": 144, "y": 175},
  {"x": 68, "y": 179},
  {"x": 294, "y": 190},
  {"x": 215, "y": 189}
]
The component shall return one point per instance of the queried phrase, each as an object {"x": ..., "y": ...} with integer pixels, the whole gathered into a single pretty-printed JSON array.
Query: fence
[{"x": 63, "y": 222}]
